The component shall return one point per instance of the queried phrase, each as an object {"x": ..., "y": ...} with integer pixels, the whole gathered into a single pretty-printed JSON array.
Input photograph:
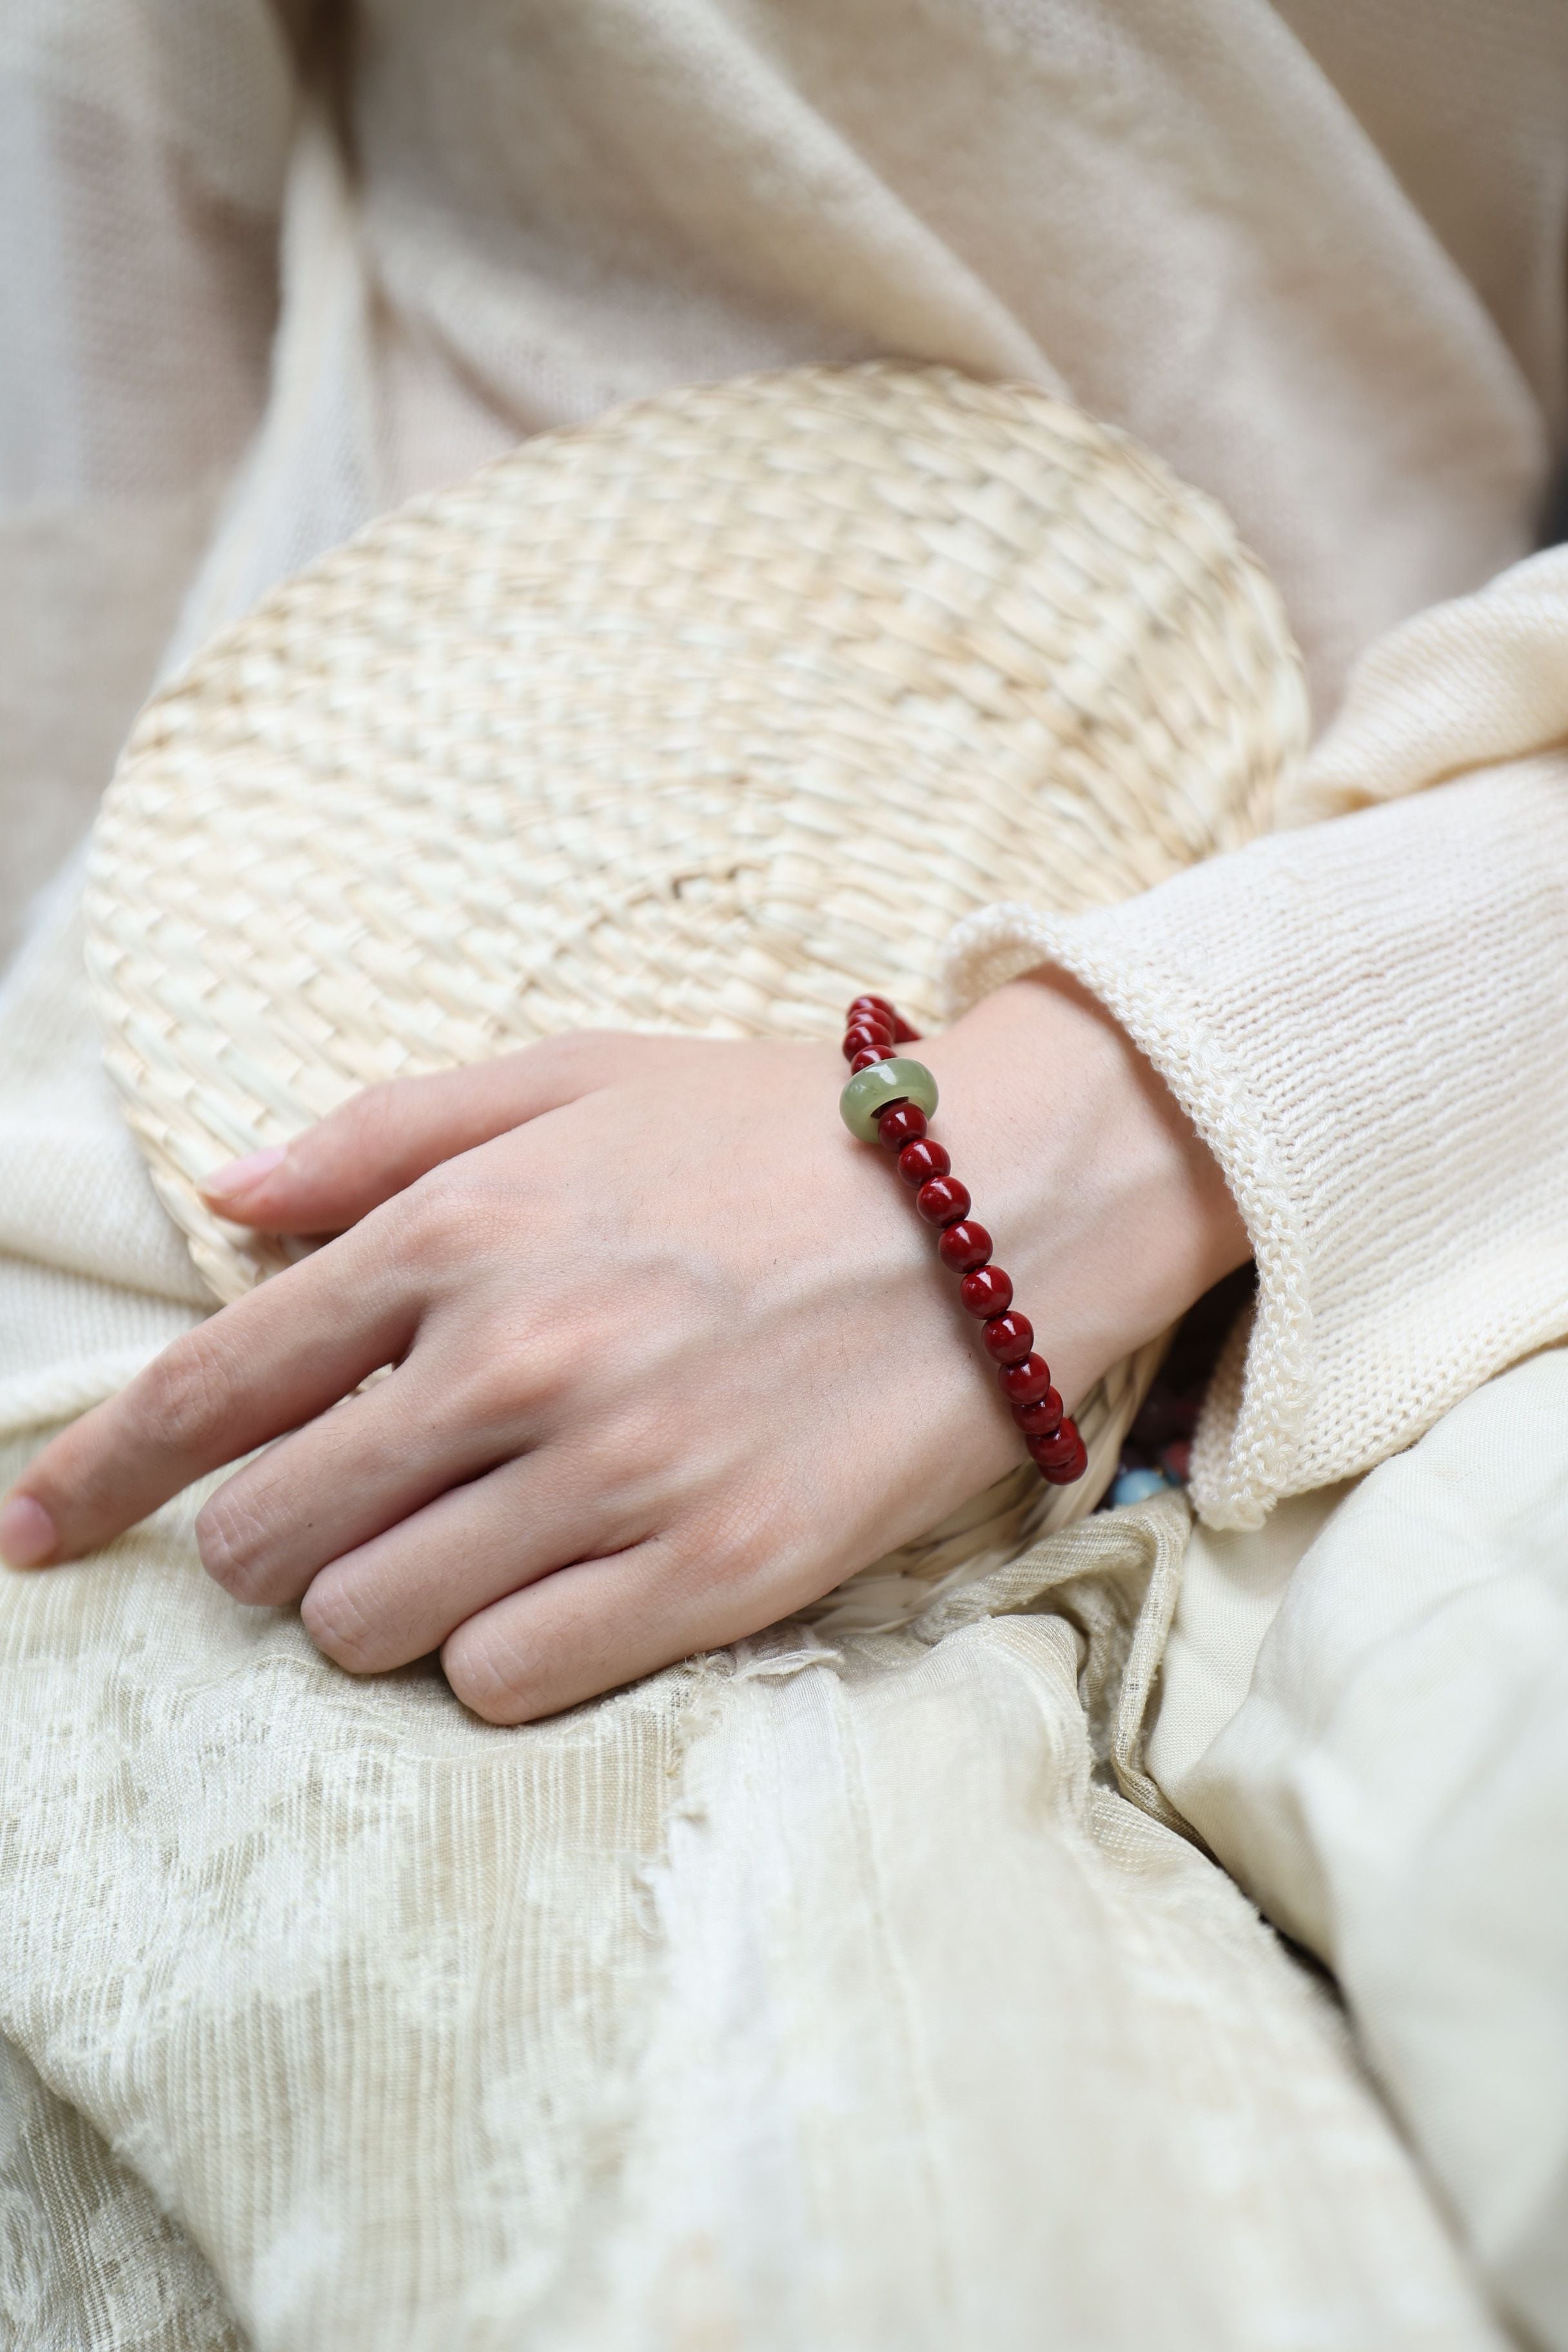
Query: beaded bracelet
[{"x": 887, "y": 1100}]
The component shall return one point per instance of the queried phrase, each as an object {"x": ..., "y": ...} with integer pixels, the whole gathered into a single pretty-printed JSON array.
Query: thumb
[{"x": 331, "y": 1174}]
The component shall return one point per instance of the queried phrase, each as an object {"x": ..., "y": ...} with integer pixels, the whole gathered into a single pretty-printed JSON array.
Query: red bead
[
  {"x": 877, "y": 1006},
  {"x": 987, "y": 1292},
  {"x": 1041, "y": 1419},
  {"x": 1009, "y": 1338},
  {"x": 905, "y": 1123},
  {"x": 918, "y": 1162},
  {"x": 1057, "y": 1447},
  {"x": 963, "y": 1246},
  {"x": 861, "y": 1034},
  {"x": 1067, "y": 1472},
  {"x": 1062, "y": 1458},
  {"x": 943, "y": 1201},
  {"x": 1026, "y": 1382},
  {"x": 903, "y": 1033},
  {"x": 864, "y": 1060}
]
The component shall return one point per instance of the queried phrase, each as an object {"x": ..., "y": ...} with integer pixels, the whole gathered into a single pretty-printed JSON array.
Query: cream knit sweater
[
  {"x": 327, "y": 2003},
  {"x": 1312, "y": 254}
]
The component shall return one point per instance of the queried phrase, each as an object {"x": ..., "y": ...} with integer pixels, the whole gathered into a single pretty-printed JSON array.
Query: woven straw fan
[{"x": 702, "y": 718}]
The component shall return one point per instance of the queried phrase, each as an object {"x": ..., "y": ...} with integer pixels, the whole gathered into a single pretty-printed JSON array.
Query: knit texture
[
  {"x": 1335, "y": 1040},
  {"x": 330, "y": 2003}
]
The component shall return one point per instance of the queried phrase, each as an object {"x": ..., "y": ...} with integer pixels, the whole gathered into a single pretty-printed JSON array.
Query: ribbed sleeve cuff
[{"x": 1367, "y": 1022}]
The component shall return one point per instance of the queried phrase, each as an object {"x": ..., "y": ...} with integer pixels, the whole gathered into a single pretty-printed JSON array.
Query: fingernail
[
  {"x": 239, "y": 1176},
  {"x": 27, "y": 1534}
]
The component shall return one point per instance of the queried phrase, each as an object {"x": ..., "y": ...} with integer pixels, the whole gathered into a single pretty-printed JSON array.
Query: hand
[{"x": 672, "y": 1354}]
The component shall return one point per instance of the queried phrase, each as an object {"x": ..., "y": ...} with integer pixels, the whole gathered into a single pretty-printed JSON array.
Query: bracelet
[{"x": 887, "y": 1100}]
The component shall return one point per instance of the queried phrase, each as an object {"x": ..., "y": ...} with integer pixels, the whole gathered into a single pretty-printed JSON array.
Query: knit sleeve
[{"x": 1366, "y": 1019}]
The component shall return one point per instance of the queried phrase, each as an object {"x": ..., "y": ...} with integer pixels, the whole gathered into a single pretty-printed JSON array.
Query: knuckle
[
  {"x": 188, "y": 1394},
  {"x": 516, "y": 1375},
  {"x": 232, "y": 1541},
  {"x": 640, "y": 1443},
  {"x": 489, "y": 1679},
  {"x": 438, "y": 1222},
  {"x": 689, "y": 1571},
  {"x": 342, "y": 1629}
]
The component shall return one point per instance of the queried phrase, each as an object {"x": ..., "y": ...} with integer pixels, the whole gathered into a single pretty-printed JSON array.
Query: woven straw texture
[{"x": 702, "y": 718}]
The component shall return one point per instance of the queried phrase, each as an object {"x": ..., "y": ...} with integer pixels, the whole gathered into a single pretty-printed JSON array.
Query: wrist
[{"x": 1109, "y": 1211}]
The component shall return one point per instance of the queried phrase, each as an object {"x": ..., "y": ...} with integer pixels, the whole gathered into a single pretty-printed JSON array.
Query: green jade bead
[{"x": 877, "y": 1087}]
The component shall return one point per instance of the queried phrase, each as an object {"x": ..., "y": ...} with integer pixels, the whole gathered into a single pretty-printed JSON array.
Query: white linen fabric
[
  {"x": 795, "y": 1998},
  {"x": 1364, "y": 1710},
  {"x": 807, "y": 1995}
]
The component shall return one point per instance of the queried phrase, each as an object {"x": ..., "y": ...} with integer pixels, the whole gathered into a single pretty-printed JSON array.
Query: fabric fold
[{"x": 1362, "y": 1711}]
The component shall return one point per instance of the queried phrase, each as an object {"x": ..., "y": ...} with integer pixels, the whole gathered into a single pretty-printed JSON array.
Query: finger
[
  {"x": 385, "y": 1138},
  {"x": 399, "y": 1596},
  {"x": 325, "y": 1489},
  {"x": 275, "y": 1360},
  {"x": 592, "y": 1628}
]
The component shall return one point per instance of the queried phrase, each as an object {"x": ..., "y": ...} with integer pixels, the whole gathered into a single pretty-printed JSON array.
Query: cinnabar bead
[
  {"x": 1041, "y": 1419},
  {"x": 1009, "y": 1338},
  {"x": 1052, "y": 1451},
  {"x": 963, "y": 1246},
  {"x": 902, "y": 1033},
  {"x": 1058, "y": 1444},
  {"x": 918, "y": 1162},
  {"x": 878, "y": 1007},
  {"x": 1050, "y": 1456},
  {"x": 861, "y": 1034},
  {"x": 905, "y": 1123},
  {"x": 942, "y": 1201},
  {"x": 869, "y": 1054},
  {"x": 1025, "y": 1383},
  {"x": 1063, "y": 1474},
  {"x": 987, "y": 1292},
  {"x": 1062, "y": 1458}
]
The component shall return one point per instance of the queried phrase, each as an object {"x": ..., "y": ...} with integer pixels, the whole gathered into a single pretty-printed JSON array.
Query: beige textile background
[
  {"x": 1313, "y": 257},
  {"x": 751, "y": 2007}
]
